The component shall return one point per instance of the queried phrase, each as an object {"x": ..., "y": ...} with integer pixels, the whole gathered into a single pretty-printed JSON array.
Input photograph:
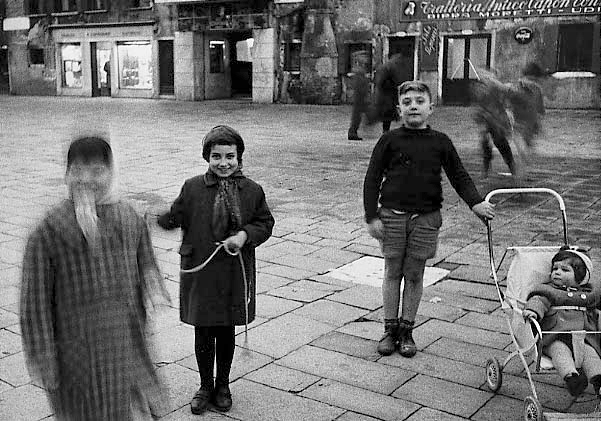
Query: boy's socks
[{"x": 576, "y": 383}]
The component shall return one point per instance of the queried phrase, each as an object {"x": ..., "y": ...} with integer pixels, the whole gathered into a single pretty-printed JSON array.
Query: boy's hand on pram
[
  {"x": 529, "y": 314},
  {"x": 484, "y": 210}
]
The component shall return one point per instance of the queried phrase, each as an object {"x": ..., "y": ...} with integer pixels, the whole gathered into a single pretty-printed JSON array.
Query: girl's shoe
[
  {"x": 200, "y": 401},
  {"x": 222, "y": 398},
  {"x": 387, "y": 345},
  {"x": 576, "y": 383}
]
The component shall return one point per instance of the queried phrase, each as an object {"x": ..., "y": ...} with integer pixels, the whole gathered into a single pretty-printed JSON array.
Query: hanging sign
[
  {"x": 425, "y": 10},
  {"x": 429, "y": 46},
  {"x": 523, "y": 35}
]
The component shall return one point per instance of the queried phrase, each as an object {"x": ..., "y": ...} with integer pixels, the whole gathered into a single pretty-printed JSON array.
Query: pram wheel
[
  {"x": 533, "y": 411},
  {"x": 494, "y": 374}
]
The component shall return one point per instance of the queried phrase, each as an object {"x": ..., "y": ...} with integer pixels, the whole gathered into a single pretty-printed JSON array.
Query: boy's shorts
[{"x": 409, "y": 234}]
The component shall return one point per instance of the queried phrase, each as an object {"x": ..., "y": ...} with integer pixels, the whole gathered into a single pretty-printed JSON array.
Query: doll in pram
[{"x": 552, "y": 304}]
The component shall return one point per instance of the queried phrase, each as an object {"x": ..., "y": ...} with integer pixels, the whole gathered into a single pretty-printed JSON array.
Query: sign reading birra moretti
[{"x": 496, "y": 9}]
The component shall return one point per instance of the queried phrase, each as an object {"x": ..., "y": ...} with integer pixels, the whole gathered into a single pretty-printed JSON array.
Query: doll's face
[
  {"x": 223, "y": 160},
  {"x": 562, "y": 273}
]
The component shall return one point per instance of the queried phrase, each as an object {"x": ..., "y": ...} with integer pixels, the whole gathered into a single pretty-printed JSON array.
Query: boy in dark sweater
[{"x": 404, "y": 175}]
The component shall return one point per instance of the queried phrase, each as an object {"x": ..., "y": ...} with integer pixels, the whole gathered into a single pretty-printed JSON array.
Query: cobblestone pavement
[{"x": 312, "y": 350}]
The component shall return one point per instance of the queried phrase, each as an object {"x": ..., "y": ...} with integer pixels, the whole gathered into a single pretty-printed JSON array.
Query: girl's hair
[
  {"x": 222, "y": 135},
  {"x": 89, "y": 148},
  {"x": 580, "y": 268}
]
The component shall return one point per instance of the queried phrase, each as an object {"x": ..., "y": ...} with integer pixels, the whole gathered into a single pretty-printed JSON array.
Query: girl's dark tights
[{"x": 211, "y": 342}]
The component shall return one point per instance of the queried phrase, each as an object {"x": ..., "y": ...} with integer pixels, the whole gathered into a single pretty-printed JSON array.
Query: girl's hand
[
  {"x": 234, "y": 243},
  {"x": 376, "y": 229}
]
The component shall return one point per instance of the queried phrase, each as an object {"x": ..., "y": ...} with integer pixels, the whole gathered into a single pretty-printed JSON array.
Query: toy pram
[{"x": 529, "y": 266}]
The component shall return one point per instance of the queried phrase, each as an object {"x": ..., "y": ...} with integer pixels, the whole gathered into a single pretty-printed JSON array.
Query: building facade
[{"x": 296, "y": 51}]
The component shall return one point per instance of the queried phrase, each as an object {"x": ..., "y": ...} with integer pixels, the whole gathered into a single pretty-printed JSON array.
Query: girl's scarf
[{"x": 227, "y": 218}]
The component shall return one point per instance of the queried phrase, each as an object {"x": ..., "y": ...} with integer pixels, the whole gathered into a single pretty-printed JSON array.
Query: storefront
[{"x": 118, "y": 61}]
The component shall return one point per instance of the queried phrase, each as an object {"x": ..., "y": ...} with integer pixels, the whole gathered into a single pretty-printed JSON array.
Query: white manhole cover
[{"x": 369, "y": 270}]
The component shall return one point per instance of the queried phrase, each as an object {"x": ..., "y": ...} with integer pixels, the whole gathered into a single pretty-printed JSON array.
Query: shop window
[
  {"x": 136, "y": 4},
  {"x": 292, "y": 52},
  {"x": 216, "y": 54},
  {"x": 71, "y": 65},
  {"x": 94, "y": 4},
  {"x": 358, "y": 54},
  {"x": 36, "y": 56},
  {"x": 135, "y": 64},
  {"x": 575, "y": 47}
]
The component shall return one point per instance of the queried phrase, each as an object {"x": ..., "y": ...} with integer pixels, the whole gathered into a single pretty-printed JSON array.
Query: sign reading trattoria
[{"x": 424, "y": 10}]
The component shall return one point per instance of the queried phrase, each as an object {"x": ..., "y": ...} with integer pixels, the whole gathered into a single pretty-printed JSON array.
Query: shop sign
[
  {"x": 15, "y": 24},
  {"x": 424, "y": 10},
  {"x": 523, "y": 35},
  {"x": 429, "y": 47}
]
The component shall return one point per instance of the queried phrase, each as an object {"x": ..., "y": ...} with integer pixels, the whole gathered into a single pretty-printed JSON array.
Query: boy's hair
[
  {"x": 222, "y": 135},
  {"x": 414, "y": 85},
  {"x": 88, "y": 148},
  {"x": 579, "y": 261}
]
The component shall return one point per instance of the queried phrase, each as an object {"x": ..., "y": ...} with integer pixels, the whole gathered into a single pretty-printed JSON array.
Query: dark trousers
[
  {"x": 501, "y": 143},
  {"x": 356, "y": 115},
  {"x": 212, "y": 342}
]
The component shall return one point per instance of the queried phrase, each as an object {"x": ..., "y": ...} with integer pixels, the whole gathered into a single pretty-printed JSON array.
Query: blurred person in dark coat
[
  {"x": 361, "y": 96},
  {"x": 89, "y": 278}
]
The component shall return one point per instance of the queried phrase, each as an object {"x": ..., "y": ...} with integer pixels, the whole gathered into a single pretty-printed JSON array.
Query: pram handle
[{"x": 492, "y": 193}]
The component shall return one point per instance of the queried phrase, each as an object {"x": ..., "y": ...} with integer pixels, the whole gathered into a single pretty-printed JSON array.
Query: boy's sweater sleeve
[
  {"x": 175, "y": 217},
  {"x": 260, "y": 227},
  {"x": 459, "y": 177},
  {"x": 373, "y": 180}
]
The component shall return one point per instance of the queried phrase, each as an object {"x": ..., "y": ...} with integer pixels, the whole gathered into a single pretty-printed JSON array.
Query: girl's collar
[{"x": 210, "y": 178}]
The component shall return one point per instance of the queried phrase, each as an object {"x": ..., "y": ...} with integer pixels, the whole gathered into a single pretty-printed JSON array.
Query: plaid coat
[{"x": 82, "y": 314}]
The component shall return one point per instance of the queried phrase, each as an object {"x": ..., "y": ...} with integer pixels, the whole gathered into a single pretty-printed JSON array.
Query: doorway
[
  {"x": 166, "y": 80},
  {"x": 461, "y": 56},
  {"x": 217, "y": 67},
  {"x": 101, "y": 68},
  {"x": 241, "y": 63},
  {"x": 4, "y": 84},
  {"x": 405, "y": 46}
]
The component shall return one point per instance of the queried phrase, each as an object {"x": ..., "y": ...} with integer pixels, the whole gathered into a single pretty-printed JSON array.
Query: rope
[{"x": 198, "y": 268}]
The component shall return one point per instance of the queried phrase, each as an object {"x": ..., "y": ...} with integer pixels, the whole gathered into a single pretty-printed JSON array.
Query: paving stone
[
  {"x": 10, "y": 295},
  {"x": 302, "y": 262},
  {"x": 295, "y": 220},
  {"x": 10, "y": 343},
  {"x": 472, "y": 273},
  {"x": 364, "y": 249},
  {"x": 361, "y": 401},
  {"x": 291, "y": 332},
  {"x": 256, "y": 402},
  {"x": 267, "y": 282},
  {"x": 353, "y": 416},
  {"x": 303, "y": 238},
  {"x": 25, "y": 403},
  {"x": 349, "y": 345},
  {"x": 301, "y": 291},
  {"x": 434, "y": 329},
  {"x": 283, "y": 378},
  {"x": 346, "y": 369},
  {"x": 363, "y": 296},
  {"x": 500, "y": 408},
  {"x": 330, "y": 312},
  {"x": 443, "y": 395},
  {"x": 172, "y": 344},
  {"x": 335, "y": 282},
  {"x": 439, "y": 311},
  {"x": 180, "y": 384},
  {"x": 461, "y": 301},
  {"x": 549, "y": 396},
  {"x": 329, "y": 242},
  {"x": 469, "y": 289},
  {"x": 184, "y": 414},
  {"x": 10, "y": 276},
  {"x": 340, "y": 257},
  {"x": 3, "y": 387},
  {"x": 291, "y": 247},
  {"x": 484, "y": 321},
  {"x": 13, "y": 370},
  {"x": 439, "y": 367},
  {"x": 466, "y": 352},
  {"x": 7, "y": 319},
  {"x": 289, "y": 272},
  {"x": 429, "y": 414},
  {"x": 269, "y": 306},
  {"x": 365, "y": 329},
  {"x": 163, "y": 318}
]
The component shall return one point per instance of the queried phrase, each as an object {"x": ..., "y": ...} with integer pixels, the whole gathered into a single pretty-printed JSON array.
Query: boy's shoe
[
  {"x": 200, "y": 401},
  {"x": 576, "y": 383},
  {"x": 407, "y": 347},
  {"x": 222, "y": 398},
  {"x": 387, "y": 344}
]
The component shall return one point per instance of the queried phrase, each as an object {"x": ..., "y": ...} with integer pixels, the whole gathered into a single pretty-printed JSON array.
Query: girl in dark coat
[{"x": 221, "y": 206}]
